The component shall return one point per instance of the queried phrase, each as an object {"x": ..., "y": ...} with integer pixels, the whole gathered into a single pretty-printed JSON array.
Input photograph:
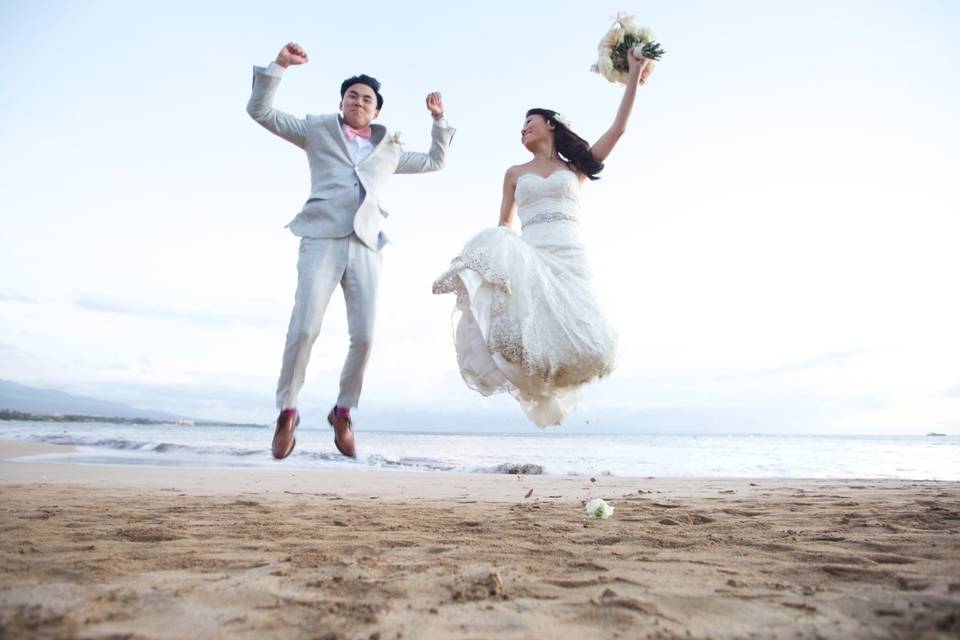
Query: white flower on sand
[
  {"x": 395, "y": 138},
  {"x": 598, "y": 508}
]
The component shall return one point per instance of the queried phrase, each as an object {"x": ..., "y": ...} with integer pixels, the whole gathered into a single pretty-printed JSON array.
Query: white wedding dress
[{"x": 529, "y": 323}]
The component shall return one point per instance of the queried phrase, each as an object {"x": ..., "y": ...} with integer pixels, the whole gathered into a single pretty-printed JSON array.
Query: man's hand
[
  {"x": 435, "y": 104},
  {"x": 292, "y": 53}
]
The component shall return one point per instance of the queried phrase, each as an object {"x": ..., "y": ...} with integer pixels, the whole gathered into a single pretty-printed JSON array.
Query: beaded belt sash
[{"x": 553, "y": 216}]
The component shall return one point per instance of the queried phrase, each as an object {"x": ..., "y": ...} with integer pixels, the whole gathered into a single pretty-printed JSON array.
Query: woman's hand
[{"x": 639, "y": 67}]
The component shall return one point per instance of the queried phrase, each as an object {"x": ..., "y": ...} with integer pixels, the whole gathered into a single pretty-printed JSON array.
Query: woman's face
[{"x": 535, "y": 131}]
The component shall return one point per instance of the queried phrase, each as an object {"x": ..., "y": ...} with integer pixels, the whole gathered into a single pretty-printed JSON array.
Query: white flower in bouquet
[
  {"x": 606, "y": 67},
  {"x": 623, "y": 39},
  {"x": 624, "y": 19},
  {"x": 598, "y": 508}
]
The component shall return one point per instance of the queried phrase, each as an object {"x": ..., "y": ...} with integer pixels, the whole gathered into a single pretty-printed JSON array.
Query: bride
[{"x": 529, "y": 323}]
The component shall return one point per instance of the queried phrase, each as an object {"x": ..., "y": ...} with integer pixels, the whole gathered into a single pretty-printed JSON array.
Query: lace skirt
[{"x": 528, "y": 322}]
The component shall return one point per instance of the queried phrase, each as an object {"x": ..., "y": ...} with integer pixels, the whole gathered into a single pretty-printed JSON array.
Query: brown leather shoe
[
  {"x": 283, "y": 438},
  {"x": 343, "y": 434}
]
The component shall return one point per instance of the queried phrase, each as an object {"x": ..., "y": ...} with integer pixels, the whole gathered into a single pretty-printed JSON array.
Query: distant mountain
[{"x": 19, "y": 397}]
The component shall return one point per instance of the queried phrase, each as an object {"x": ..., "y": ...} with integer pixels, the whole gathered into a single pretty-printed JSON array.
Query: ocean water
[{"x": 554, "y": 452}]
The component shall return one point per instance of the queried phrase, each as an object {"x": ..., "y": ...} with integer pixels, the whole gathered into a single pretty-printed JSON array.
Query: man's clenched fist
[{"x": 292, "y": 53}]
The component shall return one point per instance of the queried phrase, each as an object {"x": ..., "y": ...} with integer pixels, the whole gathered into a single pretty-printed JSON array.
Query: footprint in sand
[
  {"x": 576, "y": 584},
  {"x": 883, "y": 558},
  {"x": 907, "y": 584},
  {"x": 587, "y": 566},
  {"x": 147, "y": 534},
  {"x": 687, "y": 518},
  {"x": 856, "y": 574},
  {"x": 744, "y": 513}
]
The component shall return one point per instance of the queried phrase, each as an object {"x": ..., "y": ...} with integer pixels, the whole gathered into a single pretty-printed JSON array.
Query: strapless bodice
[{"x": 548, "y": 207}]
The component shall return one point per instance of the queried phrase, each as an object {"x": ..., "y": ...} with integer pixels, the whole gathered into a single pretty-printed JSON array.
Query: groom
[{"x": 339, "y": 228}]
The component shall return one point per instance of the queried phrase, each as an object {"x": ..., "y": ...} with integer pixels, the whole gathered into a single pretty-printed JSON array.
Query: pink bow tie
[{"x": 353, "y": 133}]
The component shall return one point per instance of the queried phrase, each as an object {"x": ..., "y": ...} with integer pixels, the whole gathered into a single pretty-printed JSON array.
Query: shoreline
[
  {"x": 919, "y": 458},
  {"x": 386, "y": 484}
]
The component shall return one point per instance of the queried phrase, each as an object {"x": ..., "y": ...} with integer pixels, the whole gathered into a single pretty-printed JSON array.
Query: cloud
[
  {"x": 822, "y": 361},
  {"x": 204, "y": 396},
  {"x": 8, "y": 295},
  {"x": 92, "y": 302},
  {"x": 815, "y": 363}
]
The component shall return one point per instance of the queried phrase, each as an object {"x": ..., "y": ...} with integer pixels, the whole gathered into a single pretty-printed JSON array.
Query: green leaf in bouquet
[
  {"x": 619, "y": 54},
  {"x": 652, "y": 50}
]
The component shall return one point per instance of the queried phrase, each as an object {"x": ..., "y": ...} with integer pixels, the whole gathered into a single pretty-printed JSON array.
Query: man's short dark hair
[{"x": 363, "y": 78}]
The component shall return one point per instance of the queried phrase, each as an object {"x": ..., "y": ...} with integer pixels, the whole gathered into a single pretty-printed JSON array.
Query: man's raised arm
[
  {"x": 265, "y": 83},
  {"x": 441, "y": 135}
]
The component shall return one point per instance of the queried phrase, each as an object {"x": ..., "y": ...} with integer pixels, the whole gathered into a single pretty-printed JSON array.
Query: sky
[{"x": 775, "y": 238}]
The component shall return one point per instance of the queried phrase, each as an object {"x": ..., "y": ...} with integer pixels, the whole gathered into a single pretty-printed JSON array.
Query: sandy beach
[{"x": 93, "y": 551}]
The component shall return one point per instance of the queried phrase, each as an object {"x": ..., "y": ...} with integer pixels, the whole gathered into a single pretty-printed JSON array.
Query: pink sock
[{"x": 342, "y": 412}]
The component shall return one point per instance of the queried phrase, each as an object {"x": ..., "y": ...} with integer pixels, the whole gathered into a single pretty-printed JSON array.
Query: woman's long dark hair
[{"x": 573, "y": 149}]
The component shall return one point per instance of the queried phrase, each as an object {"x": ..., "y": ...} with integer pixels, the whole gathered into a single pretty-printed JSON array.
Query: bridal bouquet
[{"x": 624, "y": 36}]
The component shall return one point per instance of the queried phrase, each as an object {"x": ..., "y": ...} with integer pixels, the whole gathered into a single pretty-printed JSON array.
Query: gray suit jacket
[{"x": 343, "y": 195}]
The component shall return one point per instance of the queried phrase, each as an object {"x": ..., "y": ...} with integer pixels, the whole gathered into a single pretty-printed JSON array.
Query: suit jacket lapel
[
  {"x": 333, "y": 124},
  {"x": 378, "y": 133},
  {"x": 378, "y": 138}
]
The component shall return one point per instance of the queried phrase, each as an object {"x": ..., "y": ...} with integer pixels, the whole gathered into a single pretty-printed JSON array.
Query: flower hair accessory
[{"x": 559, "y": 118}]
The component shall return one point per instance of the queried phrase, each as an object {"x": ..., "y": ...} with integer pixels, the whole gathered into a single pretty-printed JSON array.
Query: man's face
[{"x": 359, "y": 106}]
